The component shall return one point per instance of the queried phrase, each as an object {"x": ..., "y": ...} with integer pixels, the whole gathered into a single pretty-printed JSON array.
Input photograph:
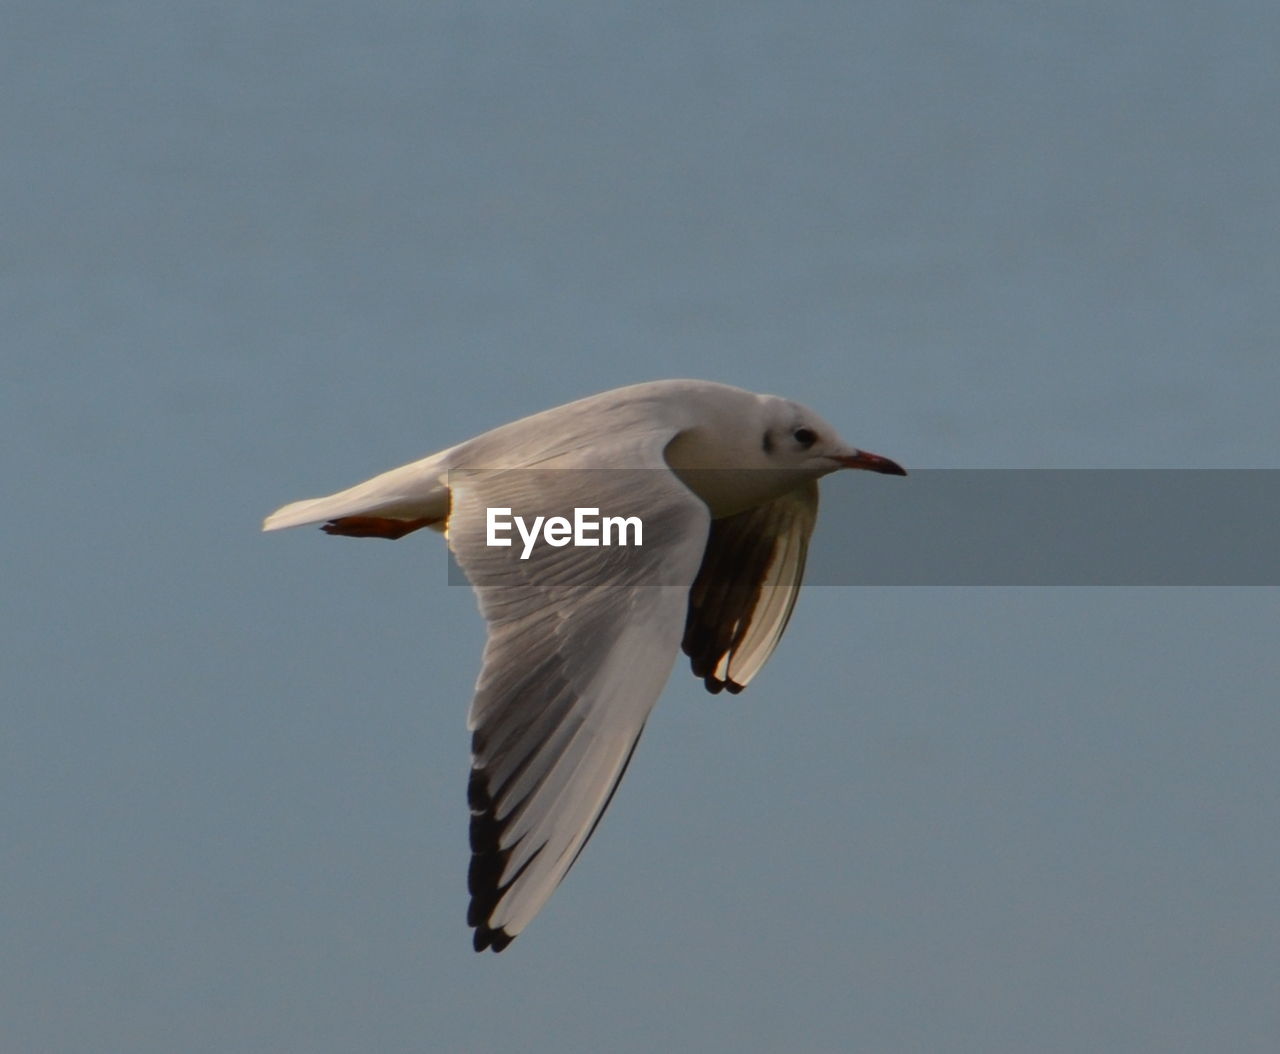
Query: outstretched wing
[
  {"x": 746, "y": 588},
  {"x": 580, "y": 644}
]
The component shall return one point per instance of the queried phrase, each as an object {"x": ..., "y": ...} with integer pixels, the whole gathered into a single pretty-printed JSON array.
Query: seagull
[{"x": 582, "y": 638}]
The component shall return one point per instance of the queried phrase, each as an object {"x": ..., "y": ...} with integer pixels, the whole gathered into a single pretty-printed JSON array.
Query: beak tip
[{"x": 873, "y": 463}]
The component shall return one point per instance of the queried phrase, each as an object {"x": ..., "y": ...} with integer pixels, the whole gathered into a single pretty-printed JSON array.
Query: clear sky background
[{"x": 258, "y": 251}]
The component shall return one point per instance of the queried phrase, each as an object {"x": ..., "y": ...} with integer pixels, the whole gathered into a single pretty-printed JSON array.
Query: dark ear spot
[{"x": 767, "y": 443}]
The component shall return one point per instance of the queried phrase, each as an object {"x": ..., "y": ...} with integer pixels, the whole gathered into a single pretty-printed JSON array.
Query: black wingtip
[
  {"x": 488, "y": 862},
  {"x": 492, "y": 940}
]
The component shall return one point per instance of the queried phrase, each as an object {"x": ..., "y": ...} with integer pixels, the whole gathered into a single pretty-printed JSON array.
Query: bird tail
[{"x": 418, "y": 491}]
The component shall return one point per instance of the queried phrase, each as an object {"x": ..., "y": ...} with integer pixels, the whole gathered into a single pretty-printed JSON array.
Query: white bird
[{"x": 581, "y": 640}]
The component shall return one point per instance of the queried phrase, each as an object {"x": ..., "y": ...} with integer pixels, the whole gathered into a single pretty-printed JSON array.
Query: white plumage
[{"x": 582, "y": 640}]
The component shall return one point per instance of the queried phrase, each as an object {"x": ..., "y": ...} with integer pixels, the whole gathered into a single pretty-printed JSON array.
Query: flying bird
[{"x": 582, "y": 637}]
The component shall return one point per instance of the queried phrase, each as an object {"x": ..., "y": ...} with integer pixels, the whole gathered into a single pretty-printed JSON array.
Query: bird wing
[
  {"x": 747, "y": 587},
  {"x": 580, "y": 644}
]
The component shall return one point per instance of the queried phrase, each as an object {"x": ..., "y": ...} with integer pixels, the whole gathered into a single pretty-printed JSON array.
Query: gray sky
[{"x": 255, "y": 252}]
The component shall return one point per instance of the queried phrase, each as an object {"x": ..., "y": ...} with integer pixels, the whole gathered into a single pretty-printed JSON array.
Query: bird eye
[{"x": 806, "y": 437}]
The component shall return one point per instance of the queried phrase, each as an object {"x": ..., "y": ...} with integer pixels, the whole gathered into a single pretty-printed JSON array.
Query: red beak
[{"x": 872, "y": 463}]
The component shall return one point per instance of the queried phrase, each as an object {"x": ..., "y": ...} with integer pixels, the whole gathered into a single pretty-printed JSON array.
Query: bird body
[{"x": 582, "y": 640}]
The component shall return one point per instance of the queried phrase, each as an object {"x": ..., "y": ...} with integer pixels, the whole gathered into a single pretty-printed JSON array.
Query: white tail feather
[{"x": 411, "y": 492}]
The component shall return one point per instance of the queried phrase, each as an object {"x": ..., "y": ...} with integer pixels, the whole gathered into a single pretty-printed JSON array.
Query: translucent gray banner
[
  {"x": 952, "y": 527},
  {"x": 1064, "y": 527}
]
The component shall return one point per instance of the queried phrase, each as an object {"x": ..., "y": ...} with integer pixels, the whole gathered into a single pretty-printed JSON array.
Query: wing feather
[
  {"x": 746, "y": 588},
  {"x": 580, "y": 644}
]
